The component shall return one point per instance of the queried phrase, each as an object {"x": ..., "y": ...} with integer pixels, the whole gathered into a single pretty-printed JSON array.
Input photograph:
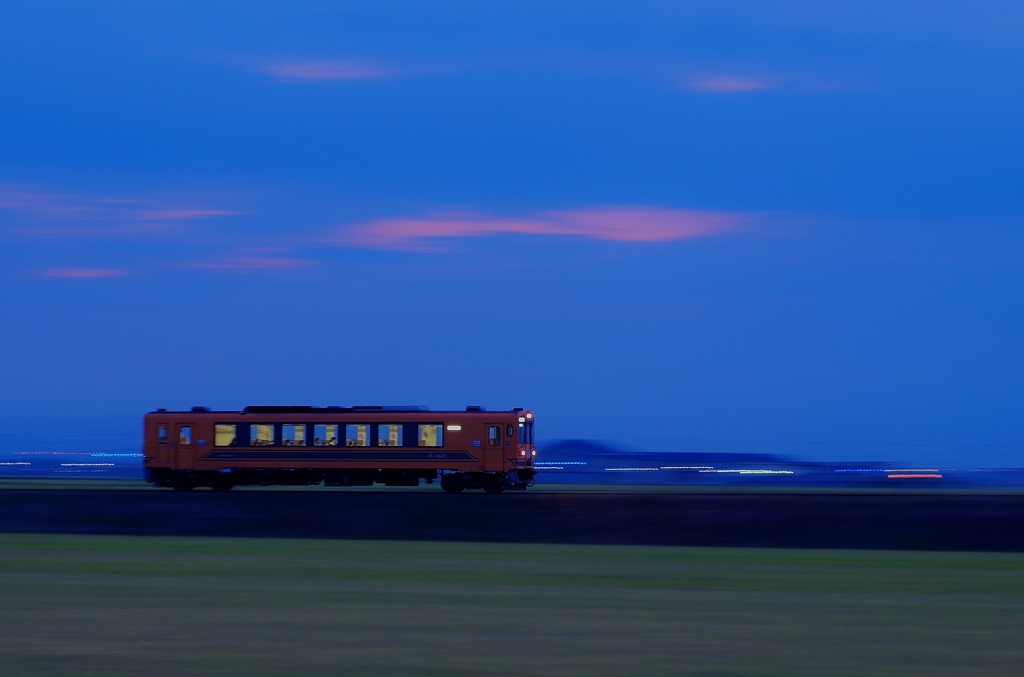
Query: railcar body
[{"x": 339, "y": 446}]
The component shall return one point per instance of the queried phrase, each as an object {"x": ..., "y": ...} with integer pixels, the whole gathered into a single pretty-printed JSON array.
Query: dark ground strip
[{"x": 879, "y": 521}]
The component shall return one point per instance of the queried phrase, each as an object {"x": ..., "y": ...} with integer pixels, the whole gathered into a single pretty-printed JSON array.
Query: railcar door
[
  {"x": 183, "y": 446},
  {"x": 494, "y": 447}
]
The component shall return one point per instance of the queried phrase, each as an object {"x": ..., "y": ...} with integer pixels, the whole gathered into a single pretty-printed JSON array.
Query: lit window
[
  {"x": 185, "y": 434},
  {"x": 261, "y": 434},
  {"x": 161, "y": 434},
  {"x": 325, "y": 435},
  {"x": 389, "y": 435},
  {"x": 293, "y": 435},
  {"x": 494, "y": 435},
  {"x": 357, "y": 436},
  {"x": 224, "y": 434},
  {"x": 431, "y": 435}
]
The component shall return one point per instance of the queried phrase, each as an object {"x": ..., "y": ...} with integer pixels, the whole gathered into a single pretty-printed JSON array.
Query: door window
[
  {"x": 494, "y": 435},
  {"x": 185, "y": 435}
]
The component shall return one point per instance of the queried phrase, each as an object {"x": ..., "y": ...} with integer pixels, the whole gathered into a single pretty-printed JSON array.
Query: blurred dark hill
[
  {"x": 595, "y": 451},
  {"x": 590, "y": 462}
]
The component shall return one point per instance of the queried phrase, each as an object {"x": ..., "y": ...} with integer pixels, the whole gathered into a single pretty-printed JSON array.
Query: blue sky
[{"x": 788, "y": 227}]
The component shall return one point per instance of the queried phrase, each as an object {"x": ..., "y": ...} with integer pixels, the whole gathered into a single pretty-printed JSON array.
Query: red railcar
[{"x": 340, "y": 446}]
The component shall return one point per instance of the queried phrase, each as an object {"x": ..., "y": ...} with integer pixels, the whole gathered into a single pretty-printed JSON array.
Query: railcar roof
[{"x": 270, "y": 409}]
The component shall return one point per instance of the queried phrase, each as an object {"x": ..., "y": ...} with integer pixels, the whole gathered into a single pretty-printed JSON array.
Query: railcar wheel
[
  {"x": 450, "y": 484},
  {"x": 494, "y": 488},
  {"x": 183, "y": 486}
]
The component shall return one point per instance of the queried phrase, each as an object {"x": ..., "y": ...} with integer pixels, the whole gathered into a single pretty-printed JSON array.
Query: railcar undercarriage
[{"x": 225, "y": 480}]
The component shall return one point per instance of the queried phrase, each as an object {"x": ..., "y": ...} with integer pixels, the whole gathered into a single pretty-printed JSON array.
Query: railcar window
[
  {"x": 431, "y": 435},
  {"x": 185, "y": 434},
  {"x": 261, "y": 435},
  {"x": 389, "y": 435},
  {"x": 509, "y": 430},
  {"x": 494, "y": 435},
  {"x": 526, "y": 433},
  {"x": 293, "y": 435},
  {"x": 161, "y": 434},
  {"x": 357, "y": 436},
  {"x": 325, "y": 435},
  {"x": 224, "y": 434}
]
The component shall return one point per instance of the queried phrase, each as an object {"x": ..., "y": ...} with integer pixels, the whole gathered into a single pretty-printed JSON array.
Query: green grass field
[{"x": 93, "y": 605}]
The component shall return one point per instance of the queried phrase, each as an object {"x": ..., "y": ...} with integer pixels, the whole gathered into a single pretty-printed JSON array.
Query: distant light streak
[
  {"x": 79, "y": 465},
  {"x": 861, "y": 470},
  {"x": 754, "y": 472},
  {"x": 559, "y": 463},
  {"x": 915, "y": 476},
  {"x": 631, "y": 469},
  {"x": 17, "y": 463},
  {"x": 687, "y": 467}
]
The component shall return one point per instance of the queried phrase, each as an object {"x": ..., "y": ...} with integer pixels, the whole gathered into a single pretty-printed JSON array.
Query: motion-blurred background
[{"x": 789, "y": 229}]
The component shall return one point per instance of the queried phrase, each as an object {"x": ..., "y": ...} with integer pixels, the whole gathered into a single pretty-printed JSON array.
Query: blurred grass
[
  {"x": 96, "y": 605},
  {"x": 90, "y": 483}
]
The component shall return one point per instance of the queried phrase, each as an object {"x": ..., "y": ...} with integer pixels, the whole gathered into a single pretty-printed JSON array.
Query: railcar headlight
[
  {"x": 522, "y": 453},
  {"x": 534, "y": 452}
]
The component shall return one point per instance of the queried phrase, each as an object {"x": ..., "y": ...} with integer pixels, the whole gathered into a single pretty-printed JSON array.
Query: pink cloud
[
  {"x": 613, "y": 223},
  {"x": 728, "y": 84},
  {"x": 63, "y": 214},
  {"x": 19, "y": 198},
  {"x": 183, "y": 214},
  {"x": 255, "y": 259},
  {"x": 327, "y": 70},
  {"x": 83, "y": 273}
]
